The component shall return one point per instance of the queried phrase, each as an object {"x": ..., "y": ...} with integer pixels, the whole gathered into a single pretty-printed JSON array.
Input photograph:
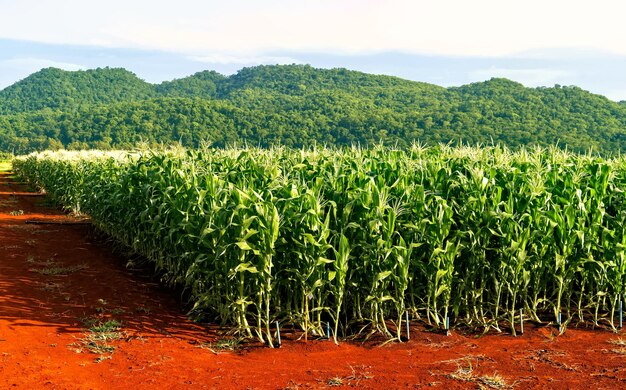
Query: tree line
[{"x": 297, "y": 105}]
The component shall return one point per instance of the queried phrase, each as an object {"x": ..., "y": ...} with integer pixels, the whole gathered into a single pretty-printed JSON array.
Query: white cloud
[
  {"x": 530, "y": 77},
  {"x": 225, "y": 59},
  {"x": 38, "y": 63},
  {"x": 13, "y": 69},
  {"x": 194, "y": 27}
]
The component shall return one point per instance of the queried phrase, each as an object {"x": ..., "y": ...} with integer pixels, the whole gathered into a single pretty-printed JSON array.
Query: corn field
[{"x": 357, "y": 237}]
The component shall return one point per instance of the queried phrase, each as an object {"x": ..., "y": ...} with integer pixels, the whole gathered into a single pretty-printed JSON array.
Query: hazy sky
[{"x": 447, "y": 42}]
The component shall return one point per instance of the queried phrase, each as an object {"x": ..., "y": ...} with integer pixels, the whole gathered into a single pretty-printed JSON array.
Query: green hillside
[
  {"x": 297, "y": 105},
  {"x": 202, "y": 85},
  {"x": 62, "y": 90}
]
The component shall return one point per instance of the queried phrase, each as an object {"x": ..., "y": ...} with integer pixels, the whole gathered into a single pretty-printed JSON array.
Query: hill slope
[
  {"x": 201, "y": 85},
  {"x": 297, "y": 105},
  {"x": 62, "y": 90}
]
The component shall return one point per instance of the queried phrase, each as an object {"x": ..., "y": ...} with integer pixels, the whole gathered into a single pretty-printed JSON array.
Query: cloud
[
  {"x": 12, "y": 69},
  {"x": 33, "y": 63},
  {"x": 442, "y": 27},
  {"x": 227, "y": 59},
  {"x": 533, "y": 77}
]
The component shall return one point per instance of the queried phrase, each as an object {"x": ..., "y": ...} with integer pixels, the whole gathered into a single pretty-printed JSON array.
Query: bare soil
[{"x": 59, "y": 288}]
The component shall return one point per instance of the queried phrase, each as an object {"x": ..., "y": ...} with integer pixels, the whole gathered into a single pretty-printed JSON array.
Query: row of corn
[{"x": 358, "y": 237}]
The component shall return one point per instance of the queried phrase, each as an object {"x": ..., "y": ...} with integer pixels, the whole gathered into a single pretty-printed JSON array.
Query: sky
[{"x": 445, "y": 42}]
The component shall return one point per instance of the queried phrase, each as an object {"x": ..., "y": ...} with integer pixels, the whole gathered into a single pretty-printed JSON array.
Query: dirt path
[{"x": 56, "y": 285}]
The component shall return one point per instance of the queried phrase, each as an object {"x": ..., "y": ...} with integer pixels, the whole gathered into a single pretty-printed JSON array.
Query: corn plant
[{"x": 358, "y": 237}]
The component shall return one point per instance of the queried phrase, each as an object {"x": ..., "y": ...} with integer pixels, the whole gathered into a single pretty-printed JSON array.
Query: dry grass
[
  {"x": 359, "y": 373},
  {"x": 336, "y": 381},
  {"x": 50, "y": 286},
  {"x": 59, "y": 270},
  {"x": 98, "y": 339},
  {"x": 30, "y": 259},
  {"x": 223, "y": 345},
  {"x": 618, "y": 341},
  {"x": 465, "y": 373},
  {"x": 494, "y": 381}
]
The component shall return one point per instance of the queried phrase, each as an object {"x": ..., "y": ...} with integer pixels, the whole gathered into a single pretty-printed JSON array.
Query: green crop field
[{"x": 358, "y": 237}]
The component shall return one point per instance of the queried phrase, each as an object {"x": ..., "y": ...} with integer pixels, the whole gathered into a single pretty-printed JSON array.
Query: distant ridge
[
  {"x": 58, "y": 89},
  {"x": 297, "y": 105}
]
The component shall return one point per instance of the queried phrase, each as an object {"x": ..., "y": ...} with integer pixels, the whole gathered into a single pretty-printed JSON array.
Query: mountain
[
  {"x": 298, "y": 105},
  {"x": 299, "y": 80},
  {"x": 62, "y": 90},
  {"x": 202, "y": 85}
]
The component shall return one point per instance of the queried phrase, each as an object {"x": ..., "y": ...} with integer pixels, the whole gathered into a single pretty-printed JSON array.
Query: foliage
[
  {"x": 59, "y": 90},
  {"x": 199, "y": 85},
  {"x": 296, "y": 106},
  {"x": 356, "y": 237}
]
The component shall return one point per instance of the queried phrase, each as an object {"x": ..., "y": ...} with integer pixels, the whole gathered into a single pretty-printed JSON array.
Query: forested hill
[
  {"x": 62, "y": 90},
  {"x": 297, "y": 105}
]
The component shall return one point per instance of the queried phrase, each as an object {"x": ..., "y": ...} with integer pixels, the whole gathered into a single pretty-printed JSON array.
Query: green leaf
[
  {"x": 323, "y": 260},
  {"x": 246, "y": 267},
  {"x": 244, "y": 246}
]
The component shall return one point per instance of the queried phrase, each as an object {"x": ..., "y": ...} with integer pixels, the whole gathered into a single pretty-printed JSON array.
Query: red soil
[{"x": 42, "y": 322}]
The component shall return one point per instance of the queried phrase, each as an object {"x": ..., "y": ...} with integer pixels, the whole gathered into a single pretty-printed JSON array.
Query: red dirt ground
[{"x": 42, "y": 322}]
